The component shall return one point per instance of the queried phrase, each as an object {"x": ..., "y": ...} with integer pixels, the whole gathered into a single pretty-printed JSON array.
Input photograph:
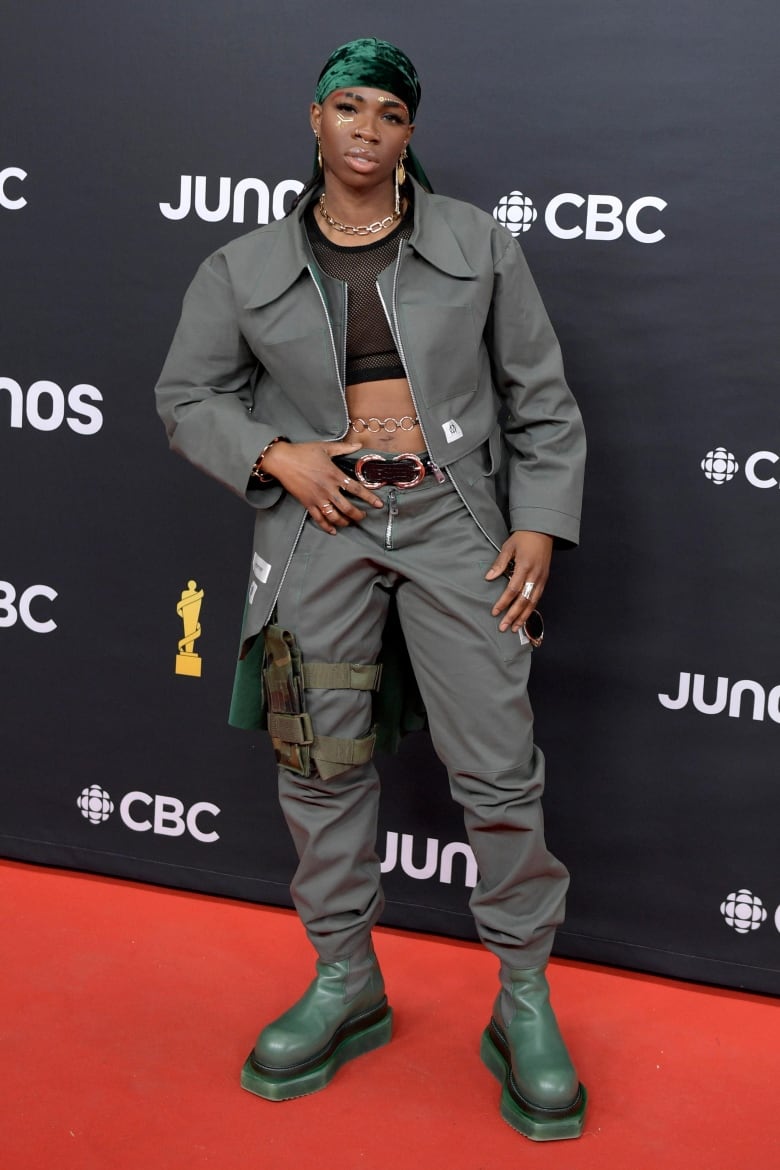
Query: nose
[{"x": 367, "y": 131}]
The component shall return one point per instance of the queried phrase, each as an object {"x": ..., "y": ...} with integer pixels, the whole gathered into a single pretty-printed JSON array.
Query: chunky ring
[
  {"x": 527, "y": 590},
  {"x": 326, "y": 507}
]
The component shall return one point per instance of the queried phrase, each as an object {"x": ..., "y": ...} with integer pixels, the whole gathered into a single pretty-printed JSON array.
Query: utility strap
[
  {"x": 336, "y": 750},
  {"x": 343, "y": 751}
]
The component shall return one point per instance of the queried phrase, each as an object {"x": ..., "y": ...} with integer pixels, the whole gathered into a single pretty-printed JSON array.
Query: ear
[
  {"x": 315, "y": 117},
  {"x": 409, "y": 135}
]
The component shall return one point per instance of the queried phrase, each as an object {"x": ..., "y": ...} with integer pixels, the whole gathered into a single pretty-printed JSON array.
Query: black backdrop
[{"x": 642, "y": 144}]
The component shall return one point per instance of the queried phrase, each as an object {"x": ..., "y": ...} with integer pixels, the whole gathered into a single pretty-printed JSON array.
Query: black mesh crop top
[{"x": 371, "y": 350}]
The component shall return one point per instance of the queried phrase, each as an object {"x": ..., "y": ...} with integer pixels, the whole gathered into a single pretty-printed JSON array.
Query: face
[{"x": 362, "y": 132}]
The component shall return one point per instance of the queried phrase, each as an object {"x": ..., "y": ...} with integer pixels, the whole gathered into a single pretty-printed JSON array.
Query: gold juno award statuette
[{"x": 188, "y": 609}]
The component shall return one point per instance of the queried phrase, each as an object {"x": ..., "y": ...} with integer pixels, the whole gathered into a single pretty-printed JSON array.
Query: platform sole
[
  {"x": 278, "y": 1087},
  {"x": 540, "y": 1125}
]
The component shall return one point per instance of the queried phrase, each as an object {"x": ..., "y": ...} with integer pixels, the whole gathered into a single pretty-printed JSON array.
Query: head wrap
[{"x": 378, "y": 65}]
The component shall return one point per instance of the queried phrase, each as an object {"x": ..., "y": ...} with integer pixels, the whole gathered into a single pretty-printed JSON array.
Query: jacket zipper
[
  {"x": 346, "y": 417},
  {"x": 393, "y": 326},
  {"x": 395, "y": 329},
  {"x": 270, "y": 609},
  {"x": 333, "y": 345}
]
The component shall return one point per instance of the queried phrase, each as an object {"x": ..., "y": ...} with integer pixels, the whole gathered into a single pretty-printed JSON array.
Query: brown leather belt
[{"x": 373, "y": 471}]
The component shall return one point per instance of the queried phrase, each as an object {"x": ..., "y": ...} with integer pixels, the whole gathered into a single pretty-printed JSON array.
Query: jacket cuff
[{"x": 564, "y": 528}]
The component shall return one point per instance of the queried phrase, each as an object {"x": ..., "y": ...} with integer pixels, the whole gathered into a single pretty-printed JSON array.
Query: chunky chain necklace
[{"x": 368, "y": 229}]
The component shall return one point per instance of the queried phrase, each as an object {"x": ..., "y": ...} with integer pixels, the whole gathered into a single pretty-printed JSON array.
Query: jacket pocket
[{"x": 442, "y": 349}]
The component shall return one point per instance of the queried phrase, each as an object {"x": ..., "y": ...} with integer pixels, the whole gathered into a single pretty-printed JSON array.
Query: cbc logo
[
  {"x": 516, "y": 212},
  {"x": 721, "y": 466},
  {"x": 744, "y": 912},
  {"x": 13, "y": 609},
  {"x": 9, "y": 177},
  {"x": 166, "y": 816},
  {"x": 46, "y": 406},
  {"x": 604, "y": 218},
  {"x": 194, "y": 196}
]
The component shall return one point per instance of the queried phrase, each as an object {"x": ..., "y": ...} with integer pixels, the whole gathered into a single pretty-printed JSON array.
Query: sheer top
[{"x": 371, "y": 350}]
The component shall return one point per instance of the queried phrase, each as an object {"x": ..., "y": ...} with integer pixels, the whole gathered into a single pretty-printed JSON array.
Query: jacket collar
[{"x": 432, "y": 238}]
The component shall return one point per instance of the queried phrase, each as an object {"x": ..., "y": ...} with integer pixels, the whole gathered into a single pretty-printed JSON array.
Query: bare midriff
[{"x": 389, "y": 398}]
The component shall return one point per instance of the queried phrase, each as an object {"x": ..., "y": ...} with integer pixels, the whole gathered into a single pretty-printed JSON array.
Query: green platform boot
[
  {"x": 541, "y": 1096},
  {"x": 343, "y": 1013}
]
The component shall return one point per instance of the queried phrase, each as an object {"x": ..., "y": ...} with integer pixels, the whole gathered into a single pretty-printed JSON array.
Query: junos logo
[
  {"x": 14, "y": 608},
  {"x": 721, "y": 466},
  {"x": 603, "y": 217},
  {"x": 194, "y": 195},
  {"x": 165, "y": 816},
  {"x": 438, "y": 861},
  {"x": 11, "y": 176},
  {"x": 46, "y": 406},
  {"x": 726, "y": 694}
]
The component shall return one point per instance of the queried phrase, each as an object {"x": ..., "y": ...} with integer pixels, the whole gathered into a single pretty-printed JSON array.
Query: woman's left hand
[{"x": 531, "y": 553}]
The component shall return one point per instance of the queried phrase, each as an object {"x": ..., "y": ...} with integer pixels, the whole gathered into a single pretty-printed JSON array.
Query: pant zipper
[{"x": 392, "y": 511}]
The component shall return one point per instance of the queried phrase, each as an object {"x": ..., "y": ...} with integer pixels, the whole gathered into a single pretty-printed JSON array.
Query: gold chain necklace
[{"x": 368, "y": 229}]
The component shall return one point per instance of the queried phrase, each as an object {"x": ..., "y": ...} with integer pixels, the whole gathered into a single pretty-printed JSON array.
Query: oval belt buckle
[
  {"x": 419, "y": 469},
  {"x": 413, "y": 462},
  {"x": 360, "y": 474}
]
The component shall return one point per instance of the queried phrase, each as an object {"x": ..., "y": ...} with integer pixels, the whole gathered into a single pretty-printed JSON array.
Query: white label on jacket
[
  {"x": 451, "y": 430},
  {"x": 260, "y": 568}
]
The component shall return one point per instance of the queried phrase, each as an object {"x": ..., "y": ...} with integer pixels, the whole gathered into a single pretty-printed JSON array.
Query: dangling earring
[
  {"x": 319, "y": 152},
  {"x": 400, "y": 179}
]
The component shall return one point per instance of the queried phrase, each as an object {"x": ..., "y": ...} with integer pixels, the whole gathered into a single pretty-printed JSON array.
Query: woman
[{"x": 377, "y": 376}]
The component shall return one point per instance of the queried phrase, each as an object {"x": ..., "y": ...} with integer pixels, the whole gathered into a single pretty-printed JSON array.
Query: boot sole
[
  {"x": 532, "y": 1121},
  {"x": 299, "y": 1084}
]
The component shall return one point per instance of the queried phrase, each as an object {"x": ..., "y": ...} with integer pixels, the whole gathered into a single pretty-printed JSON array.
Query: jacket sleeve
[
  {"x": 542, "y": 426},
  {"x": 205, "y": 391}
]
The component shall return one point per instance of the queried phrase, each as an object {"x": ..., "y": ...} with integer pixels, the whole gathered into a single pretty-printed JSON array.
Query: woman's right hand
[{"x": 307, "y": 471}]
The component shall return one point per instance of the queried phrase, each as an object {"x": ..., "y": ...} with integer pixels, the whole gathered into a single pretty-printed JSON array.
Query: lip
[
  {"x": 362, "y": 160},
  {"x": 362, "y": 152}
]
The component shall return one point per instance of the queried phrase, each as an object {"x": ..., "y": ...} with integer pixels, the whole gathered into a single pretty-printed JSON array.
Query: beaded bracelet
[{"x": 257, "y": 471}]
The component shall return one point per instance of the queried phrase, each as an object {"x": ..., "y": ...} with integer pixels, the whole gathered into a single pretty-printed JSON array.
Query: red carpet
[{"x": 127, "y": 1012}]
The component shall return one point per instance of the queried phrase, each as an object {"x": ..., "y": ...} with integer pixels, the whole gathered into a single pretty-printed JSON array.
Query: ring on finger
[
  {"x": 527, "y": 590},
  {"x": 326, "y": 507}
]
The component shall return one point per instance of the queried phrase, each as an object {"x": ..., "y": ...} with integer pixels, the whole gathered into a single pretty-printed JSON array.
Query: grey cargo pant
[{"x": 425, "y": 547}]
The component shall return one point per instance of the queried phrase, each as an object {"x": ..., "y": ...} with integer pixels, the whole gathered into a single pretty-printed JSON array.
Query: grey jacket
[{"x": 260, "y": 352}]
